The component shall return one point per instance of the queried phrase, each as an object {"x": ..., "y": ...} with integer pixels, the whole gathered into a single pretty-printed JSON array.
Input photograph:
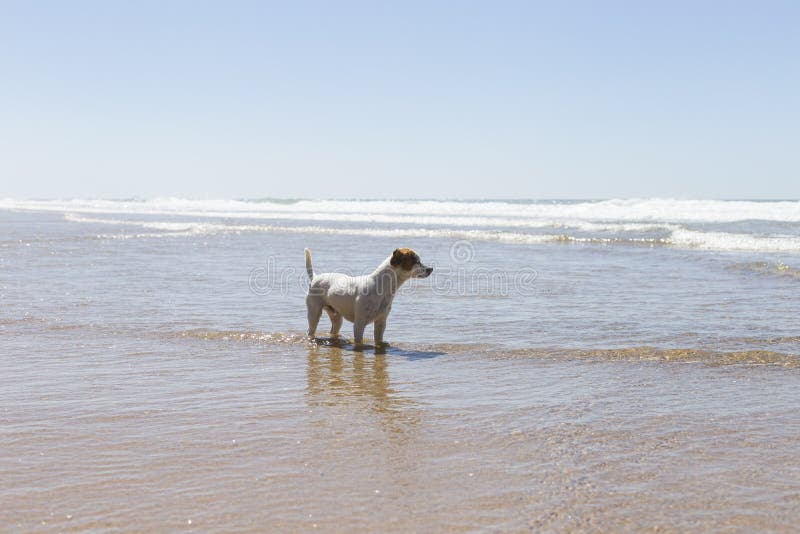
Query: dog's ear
[{"x": 397, "y": 257}]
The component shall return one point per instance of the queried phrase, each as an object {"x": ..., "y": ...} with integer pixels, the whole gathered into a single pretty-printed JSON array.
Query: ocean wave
[
  {"x": 615, "y": 210},
  {"x": 171, "y": 229},
  {"x": 677, "y": 237},
  {"x": 457, "y": 221},
  {"x": 724, "y": 241},
  {"x": 372, "y": 217}
]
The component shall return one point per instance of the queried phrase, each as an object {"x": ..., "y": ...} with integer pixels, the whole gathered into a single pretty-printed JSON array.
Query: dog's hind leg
[
  {"x": 314, "y": 313},
  {"x": 336, "y": 322}
]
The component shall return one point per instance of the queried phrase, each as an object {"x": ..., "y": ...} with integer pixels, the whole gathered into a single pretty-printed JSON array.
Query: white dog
[{"x": 360, "y": 299}]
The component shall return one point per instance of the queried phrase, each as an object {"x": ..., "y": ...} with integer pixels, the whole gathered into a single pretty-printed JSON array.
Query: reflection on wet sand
[{"x": 357, "y": 379}]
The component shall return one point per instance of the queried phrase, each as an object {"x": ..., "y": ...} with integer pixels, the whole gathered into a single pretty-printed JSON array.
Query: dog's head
[{"x": 407, "y": 261}]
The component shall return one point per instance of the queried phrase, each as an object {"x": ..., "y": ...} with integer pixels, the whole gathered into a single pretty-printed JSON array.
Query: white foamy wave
[
  {"x": 456, "y": 221},
  {"x": 543, "y": 213},
  {"x": 178, "y": 229},
  {"x": 168, "y": 227},
  {"x": 724, "y": 241},
  {"x": 678, "y": 237}
]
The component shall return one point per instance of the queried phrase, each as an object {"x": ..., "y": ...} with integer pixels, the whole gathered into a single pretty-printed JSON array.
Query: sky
[{"x": 405, "y": 99}]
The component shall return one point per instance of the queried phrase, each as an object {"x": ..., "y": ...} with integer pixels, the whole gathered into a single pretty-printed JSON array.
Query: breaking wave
[
  {"x": 747, "y": 226},
  {"x": 621, "y": 210},
  {"x": 671, "y": 235}
]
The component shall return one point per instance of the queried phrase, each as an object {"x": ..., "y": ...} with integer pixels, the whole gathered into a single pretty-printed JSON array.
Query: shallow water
[{"x": 156, "y": 375}]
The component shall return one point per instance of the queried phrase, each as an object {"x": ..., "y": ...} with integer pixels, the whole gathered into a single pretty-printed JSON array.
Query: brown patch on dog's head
[{"x": 405, "y": 258}]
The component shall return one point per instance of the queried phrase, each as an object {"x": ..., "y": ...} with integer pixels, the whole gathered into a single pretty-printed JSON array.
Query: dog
[{"x": 360, "y": 299}]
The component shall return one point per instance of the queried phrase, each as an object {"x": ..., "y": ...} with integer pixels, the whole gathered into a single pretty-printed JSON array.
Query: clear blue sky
[{"x": 400, "y": 100}]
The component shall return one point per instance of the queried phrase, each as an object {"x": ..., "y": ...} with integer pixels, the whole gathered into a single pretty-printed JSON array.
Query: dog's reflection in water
[{"x": 338, "y": 377}]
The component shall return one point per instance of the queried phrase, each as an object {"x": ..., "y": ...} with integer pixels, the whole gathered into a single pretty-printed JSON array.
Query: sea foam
[{"x": 692, "y": 224}]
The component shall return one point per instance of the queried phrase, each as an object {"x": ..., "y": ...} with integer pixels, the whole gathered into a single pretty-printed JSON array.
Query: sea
[{"x": 619, "y": 365}]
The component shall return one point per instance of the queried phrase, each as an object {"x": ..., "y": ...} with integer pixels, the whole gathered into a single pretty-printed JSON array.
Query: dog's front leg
[
  {"x": 358, "y": 330},
  {"x": 380, "y": 327}
]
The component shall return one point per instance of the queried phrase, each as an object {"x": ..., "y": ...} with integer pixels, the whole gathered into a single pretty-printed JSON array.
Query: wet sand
[{"x": 228, "y": 434}]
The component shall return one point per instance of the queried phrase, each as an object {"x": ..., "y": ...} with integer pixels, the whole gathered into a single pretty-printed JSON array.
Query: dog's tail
[{"x": 309, "y": 268}]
